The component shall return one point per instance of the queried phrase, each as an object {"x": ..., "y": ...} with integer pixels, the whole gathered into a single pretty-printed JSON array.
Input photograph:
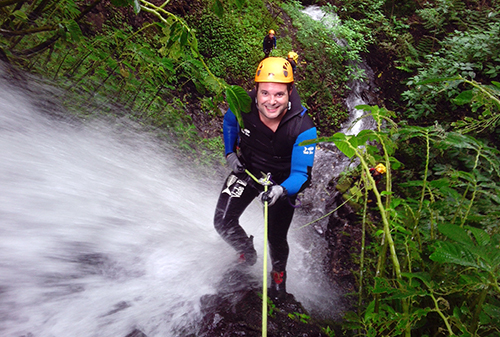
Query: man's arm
[
  {"x": 230, "y": 130},
  {"x": 302, "y": 162}
]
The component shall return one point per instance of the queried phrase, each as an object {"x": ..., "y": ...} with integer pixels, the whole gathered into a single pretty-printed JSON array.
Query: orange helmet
[
  {"x": 271, "y": 32},
  {"x": 274, "y": 69}
]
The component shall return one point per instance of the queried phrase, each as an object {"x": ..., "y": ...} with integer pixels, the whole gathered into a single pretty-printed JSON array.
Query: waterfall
[
  {"x": 329, "y": 162},
  {"x": 105, "y": 230}
]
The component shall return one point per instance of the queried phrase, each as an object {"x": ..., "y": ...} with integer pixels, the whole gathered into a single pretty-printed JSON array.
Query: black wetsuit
[
  {"x": 265, "y": 151},
  {"x": 268, "y": 44}
]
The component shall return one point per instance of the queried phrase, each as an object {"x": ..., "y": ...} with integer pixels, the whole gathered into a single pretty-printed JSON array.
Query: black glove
[
  {"x": 273, "y": 194},
  {"x": 234, "y": 163}
]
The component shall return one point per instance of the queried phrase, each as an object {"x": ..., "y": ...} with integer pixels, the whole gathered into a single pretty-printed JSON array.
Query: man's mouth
[{"x": 271, "y": 109}]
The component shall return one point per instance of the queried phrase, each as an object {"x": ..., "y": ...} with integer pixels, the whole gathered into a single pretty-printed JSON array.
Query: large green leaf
[
  {"x": 335, "y": 137},
  {"x": 464, "y": 97},
  {"x": 492, "y": 310},
  {"x": 238, "y": 101},
  {"x": 482, "y": 238},
  {"x": 422, "y": 276},
  {"x": 449, "y": 252},
  {"x": 456, "y": 233},
  {"x": 184, "y": 38},
  {"x": 74, "y": 30},
  {"x": 345, "y": 148},
  {"x": 167, "y": 64},
  {"x": 365, "y": 135}
]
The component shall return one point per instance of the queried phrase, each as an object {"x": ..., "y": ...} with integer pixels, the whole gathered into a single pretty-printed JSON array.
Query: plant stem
[
  {"x": 362, "y": 255},
  {"x": 477, "y": 311},
  {"x": 440, "y": 313},
  {"x": 474, "y": 190}
]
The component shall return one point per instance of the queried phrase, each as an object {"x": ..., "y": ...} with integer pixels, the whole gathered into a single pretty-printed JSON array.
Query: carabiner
[{"x": 265, "y": 180}]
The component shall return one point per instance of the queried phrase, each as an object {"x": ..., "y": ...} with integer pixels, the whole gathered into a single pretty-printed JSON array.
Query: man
[
  {"x": 269, "y": 43},
  {"x": 293, "y": 58},
  {"x": 268, "y": 143}
]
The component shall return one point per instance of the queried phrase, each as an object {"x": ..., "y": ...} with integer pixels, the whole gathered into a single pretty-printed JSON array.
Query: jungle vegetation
[{"x": 430, "y": 258}]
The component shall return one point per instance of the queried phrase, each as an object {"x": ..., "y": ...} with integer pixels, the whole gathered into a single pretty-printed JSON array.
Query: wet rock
[
  {"x": 236, "y": 310},
  {"x": 136, "y": 333},
  {"x": 240, "y": 314}
]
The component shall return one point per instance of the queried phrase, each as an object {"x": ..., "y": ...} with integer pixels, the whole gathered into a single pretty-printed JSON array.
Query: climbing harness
[{"x": 266, "y": 182}]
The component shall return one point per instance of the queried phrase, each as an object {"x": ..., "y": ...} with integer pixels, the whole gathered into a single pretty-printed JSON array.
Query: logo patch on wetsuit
[
  {"x": 246, "y": 132},
  {"x": 234, "y": 186},
  {"x": 308, "y": 149}
]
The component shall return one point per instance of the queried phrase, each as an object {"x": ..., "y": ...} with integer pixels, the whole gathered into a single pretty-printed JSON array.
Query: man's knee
[{"x": 222, "y": 224}]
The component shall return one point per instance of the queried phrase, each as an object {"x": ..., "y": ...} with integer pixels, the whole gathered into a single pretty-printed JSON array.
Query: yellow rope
[
  {"x": 266, "y": 182},
  {"x": 264, "y": 276}
]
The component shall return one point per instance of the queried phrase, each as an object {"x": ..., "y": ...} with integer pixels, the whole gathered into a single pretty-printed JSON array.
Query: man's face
[{"x": 272, "y": 101}]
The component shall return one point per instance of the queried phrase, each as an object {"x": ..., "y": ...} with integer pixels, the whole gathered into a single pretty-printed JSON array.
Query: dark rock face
[
  {"x": 237, "y": 311},
  {"x": 343, "y": 235}
]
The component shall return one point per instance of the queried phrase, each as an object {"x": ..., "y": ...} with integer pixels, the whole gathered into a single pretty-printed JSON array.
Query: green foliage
[
  {"x": 328, "y": 331},
  {"x": 134, "y": 3},
  {"x": 321, "y": 51},
  {"x": 232, "y": 42},
  {"x": 472, "y": 54},
  {"x": 432, "y": 266},
  {"x": 137, "y": 68},
  {"x": 438, "y": 230},
  {"x": 299, "y": 317},
  {"x": 238, "y": 101}
]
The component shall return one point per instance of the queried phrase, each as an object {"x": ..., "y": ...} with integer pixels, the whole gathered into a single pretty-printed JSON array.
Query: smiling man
[{"x": 267, "y": 144}]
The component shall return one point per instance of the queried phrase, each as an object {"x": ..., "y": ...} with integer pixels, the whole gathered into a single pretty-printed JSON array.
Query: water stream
[
  {"x": 329, "y": 161},
  {"x": 103, "y": 230}
]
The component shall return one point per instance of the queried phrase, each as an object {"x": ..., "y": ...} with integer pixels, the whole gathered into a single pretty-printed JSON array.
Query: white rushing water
[
  {"x": 103, "y": 232},
  {"x": 359, "y": 88},
  {"x": 330, "y": 162}
]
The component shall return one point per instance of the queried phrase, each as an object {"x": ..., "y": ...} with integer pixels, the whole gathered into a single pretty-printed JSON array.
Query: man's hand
[
  {"x": 234, "y": 163},
  {"x": 273, "y": 194}
]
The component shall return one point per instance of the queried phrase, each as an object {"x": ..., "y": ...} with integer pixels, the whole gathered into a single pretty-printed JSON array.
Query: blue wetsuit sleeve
[
  {"x": 230, "y": 130},
  {"x": 302, "y": 159},
  {"x": 274, "y": 40}
]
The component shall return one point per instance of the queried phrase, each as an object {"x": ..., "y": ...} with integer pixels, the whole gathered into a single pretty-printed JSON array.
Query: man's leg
[
  {"x": 237, "y": 193},
  {"x": 280, "y": 218}
]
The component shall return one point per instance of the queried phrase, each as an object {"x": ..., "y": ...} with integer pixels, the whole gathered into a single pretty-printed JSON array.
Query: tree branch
[
  {"x": 4, "y": 3},
  {"x": 39, "y": 48},
  {"x": 6, "y": 32},
  {"x": 88, "y": 9}
]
